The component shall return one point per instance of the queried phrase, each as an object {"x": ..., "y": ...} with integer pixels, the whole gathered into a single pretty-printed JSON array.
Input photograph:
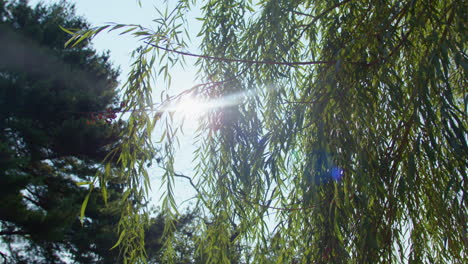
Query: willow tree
[{"x": 349, "y": 126}]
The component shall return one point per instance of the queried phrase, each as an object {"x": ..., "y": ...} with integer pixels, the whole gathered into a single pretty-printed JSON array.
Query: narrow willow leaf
[
  {"x": 66, "y": 30},
  {"x": 121, "y": 237},
  {"x": 83, "y": 208},
  {"x": 84, "y": 183},
  {"x": 83, "y": 36}
]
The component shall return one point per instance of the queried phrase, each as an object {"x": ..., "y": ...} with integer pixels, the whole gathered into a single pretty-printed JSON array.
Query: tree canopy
[
  {"x": 349, "y": 126},
  {"x": 46, "y": 142}
]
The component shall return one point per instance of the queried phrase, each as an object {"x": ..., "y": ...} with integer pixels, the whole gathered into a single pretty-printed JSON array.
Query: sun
[{"x": 190, "y": 107}]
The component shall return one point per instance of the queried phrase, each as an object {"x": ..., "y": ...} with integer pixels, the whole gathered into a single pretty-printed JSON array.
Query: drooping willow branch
[
  {"x": 267, "y": 206},
  {"x": 315, "y": 18},
  {"x": 286, "y": 63},
  {"x": 241, "y": 60}
]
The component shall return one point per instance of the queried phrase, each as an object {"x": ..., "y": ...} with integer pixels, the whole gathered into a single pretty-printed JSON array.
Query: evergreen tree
[{"x": 47, "y": 141}]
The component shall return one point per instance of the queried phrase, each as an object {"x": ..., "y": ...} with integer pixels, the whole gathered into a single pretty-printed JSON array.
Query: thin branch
[
  {"x": 36, "y": 203},
  {"x": 303, "y": 14},
  {"x": 4, "y": 256},
  {"x": 241, "y": 60},
  {"x": 317, "y": 18},
  {"x": 394, "y": 50},
  {"x": 247, "y": 200},
  {"x": 200, "y": 194},
  {"x": 285, "y": 208},
  {"x": 301, "y": 102},
  {"x": 449, "y": 22},
  {"x": 329, "y": 10},
  {"x": 403, "y": 146},
  {"x": 190, "y": 181},
  {"x": 293, "y": 63}
]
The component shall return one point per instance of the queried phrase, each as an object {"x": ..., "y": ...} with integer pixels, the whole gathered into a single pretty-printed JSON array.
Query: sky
[{"x": 100, "y": 12}]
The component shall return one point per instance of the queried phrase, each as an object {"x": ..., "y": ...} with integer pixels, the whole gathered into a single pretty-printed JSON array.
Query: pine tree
[{"x": 48, "y": 141}]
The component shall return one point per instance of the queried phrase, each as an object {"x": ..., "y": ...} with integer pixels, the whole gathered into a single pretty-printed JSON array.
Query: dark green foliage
[{"x": 46, "y": 141}]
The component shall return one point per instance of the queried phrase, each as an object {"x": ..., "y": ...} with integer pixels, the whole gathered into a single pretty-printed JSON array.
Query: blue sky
[
  {"x": 101, "y": 12},
  {"x": 119, "y": 11}
]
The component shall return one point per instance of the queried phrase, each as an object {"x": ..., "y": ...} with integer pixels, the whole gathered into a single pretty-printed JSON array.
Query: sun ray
[{"x": 194, "y": 107}]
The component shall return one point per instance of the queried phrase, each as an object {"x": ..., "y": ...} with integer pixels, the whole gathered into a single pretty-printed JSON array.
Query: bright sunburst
[{"x": 190, "y": 107}]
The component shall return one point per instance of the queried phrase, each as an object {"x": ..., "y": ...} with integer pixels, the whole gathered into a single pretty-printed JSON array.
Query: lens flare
[
  {"x": 193, "y": 107},
  {"x": 336, "y": 173}
]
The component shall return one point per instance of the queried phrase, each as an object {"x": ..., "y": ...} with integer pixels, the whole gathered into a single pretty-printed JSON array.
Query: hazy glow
[{"x": 191, "y": 107}]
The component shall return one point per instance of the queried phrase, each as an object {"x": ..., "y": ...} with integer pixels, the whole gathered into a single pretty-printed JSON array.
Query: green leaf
[
  {"x": 66, "y": 30},
  {"x": 121, "y": 237},
  {"x": 84, "y": 36},
  {"x": 83, "y": 208},
  {"x": 83, "y": 183}
]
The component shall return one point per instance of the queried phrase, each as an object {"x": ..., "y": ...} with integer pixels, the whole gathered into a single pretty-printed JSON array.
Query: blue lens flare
[
  {"x": 322, "y": 168},
  {"x": 336, "y": 173}
]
